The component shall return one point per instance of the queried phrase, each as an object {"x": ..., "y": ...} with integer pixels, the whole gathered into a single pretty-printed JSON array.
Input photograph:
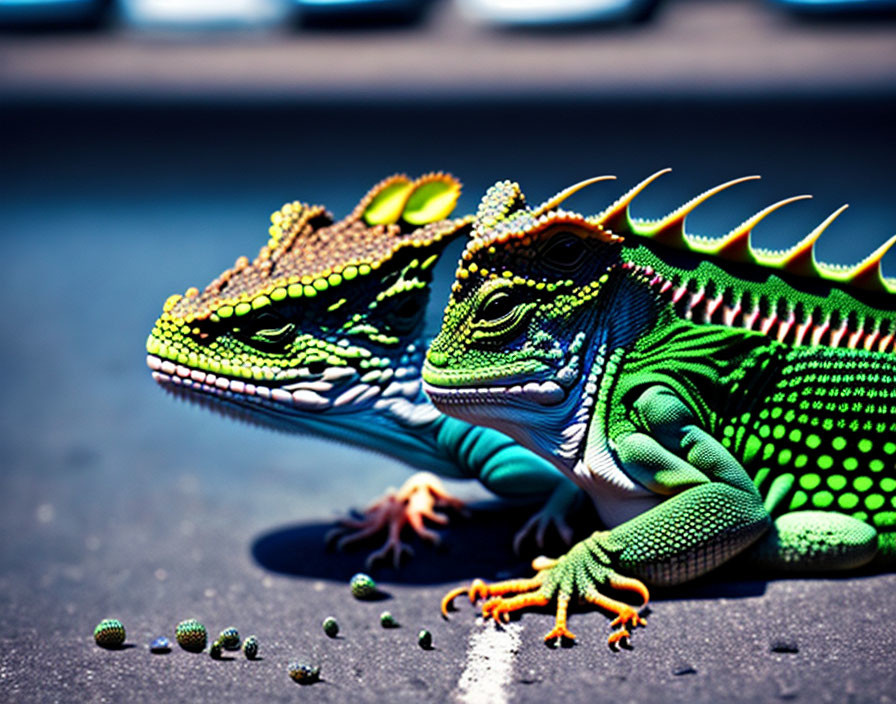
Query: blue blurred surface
[
  {"x": 57, "y": 12},
  {"x": 843, "y": 7}
]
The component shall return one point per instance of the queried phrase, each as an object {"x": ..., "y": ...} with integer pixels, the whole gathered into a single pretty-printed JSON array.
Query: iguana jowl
[
  {"x": 711, "y": 398},
  {"x": 322, "y": 333}
]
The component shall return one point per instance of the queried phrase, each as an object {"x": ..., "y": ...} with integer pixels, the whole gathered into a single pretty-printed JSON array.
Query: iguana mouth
[
  {"x": 336, "y": 389},
  {"x": 531, "y": 379},
  {"x": 545, "y": 393},
  {"x": 167, "y": 372},
  {"x": 253, "y": 410}
]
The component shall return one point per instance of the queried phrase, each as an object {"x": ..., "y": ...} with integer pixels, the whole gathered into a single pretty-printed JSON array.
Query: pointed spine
[
  {"x": 669, "y": 230},
  {"x": 800, "y": 259},
  {"x": 616, "y": 218},
  {"x": 556, "y": 200},
  {"x": 867, "y": 274},
  {"x": 735, "y": 246}
]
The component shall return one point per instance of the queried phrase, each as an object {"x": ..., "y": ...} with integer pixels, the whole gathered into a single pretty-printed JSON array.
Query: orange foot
[
  {"x": 412, "y": 504},
  {"x": 575, "y": 574}
]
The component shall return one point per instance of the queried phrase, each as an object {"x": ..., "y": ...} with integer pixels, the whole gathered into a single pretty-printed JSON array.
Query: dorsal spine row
[{"x": 799, "y": 260}]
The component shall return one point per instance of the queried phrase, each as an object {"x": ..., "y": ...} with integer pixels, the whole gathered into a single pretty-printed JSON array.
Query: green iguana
[
  {"x": 322, "y": 333},
  {"x": 712, "y": 399}
]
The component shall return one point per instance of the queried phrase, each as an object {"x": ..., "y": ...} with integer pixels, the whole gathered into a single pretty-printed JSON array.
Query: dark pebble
[
  {"x": 784, "y": 645},
  {"x": 684, "y": 669}
]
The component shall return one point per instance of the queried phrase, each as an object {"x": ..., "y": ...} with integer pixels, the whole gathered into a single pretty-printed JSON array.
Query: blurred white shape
[
  {"x": 45, "y": 513},
  {"x": 196, "y": 14},
  {"x": 534, "y": 12}
]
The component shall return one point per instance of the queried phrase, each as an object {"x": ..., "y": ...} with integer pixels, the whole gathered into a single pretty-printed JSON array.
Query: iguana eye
[
  {"x": 274, "y": 336},
  {"x": 404, "y": 315},
  {"x": 266, "y": 330},
  {"x": 565, "y": 251},
  {"x": 318, "y": 366},
  {"x": 496, "y": 306},
  {"x": 408, "y": 308}
]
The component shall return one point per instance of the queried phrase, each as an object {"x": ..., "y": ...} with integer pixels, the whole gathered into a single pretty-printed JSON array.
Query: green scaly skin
[
  {"x": 712, "y": 399},
  {"x": 322, "y": 334}
]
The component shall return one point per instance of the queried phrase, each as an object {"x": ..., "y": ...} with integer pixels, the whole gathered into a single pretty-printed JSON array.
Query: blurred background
[{"x": 143, "y": 144}]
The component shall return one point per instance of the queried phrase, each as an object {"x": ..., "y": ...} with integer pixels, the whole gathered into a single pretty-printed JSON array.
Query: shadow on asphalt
[{"x": 478, "y": 545}]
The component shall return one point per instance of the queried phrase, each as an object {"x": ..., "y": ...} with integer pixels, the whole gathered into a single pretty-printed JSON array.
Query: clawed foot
[
  {"x": 414, "y": 503},
  {"x": 550, "y": 516},
  {"x": 538, "y": 525},
  {"x": 575, "y": 574}
]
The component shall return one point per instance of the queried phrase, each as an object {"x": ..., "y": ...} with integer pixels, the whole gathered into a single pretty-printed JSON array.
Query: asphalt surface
[{"x": 119, "y": 501}]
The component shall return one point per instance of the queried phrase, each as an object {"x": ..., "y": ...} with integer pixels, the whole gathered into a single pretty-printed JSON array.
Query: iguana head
[
  {"x": 325, "y": 319},
  {"x": 512, "y": 345}
]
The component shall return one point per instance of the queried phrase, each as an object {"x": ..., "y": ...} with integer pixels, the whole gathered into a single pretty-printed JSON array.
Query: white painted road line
[{"x": 489, "y": 664}]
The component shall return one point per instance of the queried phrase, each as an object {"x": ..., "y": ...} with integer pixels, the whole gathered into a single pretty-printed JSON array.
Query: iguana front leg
[
  {"x": 512, "y": 472},
  {"x": 713, "y": 512},
  {"x": 463, "y": 451}
]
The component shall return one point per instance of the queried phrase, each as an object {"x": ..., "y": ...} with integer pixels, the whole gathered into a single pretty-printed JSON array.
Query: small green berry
[
  {"x": 215, "y": 650},
  {"x": 387, "y": 620},
  {"x": 250, "y": 648},
  {"x": 303, "y": 673},
  {"x": 191, "y": 635},
  {"x": 424, "y": 639},
  {"x": 230, "y": 639},
  {"x": 331, "y": 627},
  {"x": 363, "y": 586},
  {"x": 109, "y": 633}
]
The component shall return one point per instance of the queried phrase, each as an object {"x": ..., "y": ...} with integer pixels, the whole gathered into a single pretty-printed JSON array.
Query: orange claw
[
  {"x": 448, "y": 600},
  {"x": 617, "y": 636},
  {"x": 628, "y": 617},
  {"x": 477, "y": 590},
  {"x": 560, "y": 634},
  {"x": 560, "y": 631},
  {"x": 498, "y": 607}
]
